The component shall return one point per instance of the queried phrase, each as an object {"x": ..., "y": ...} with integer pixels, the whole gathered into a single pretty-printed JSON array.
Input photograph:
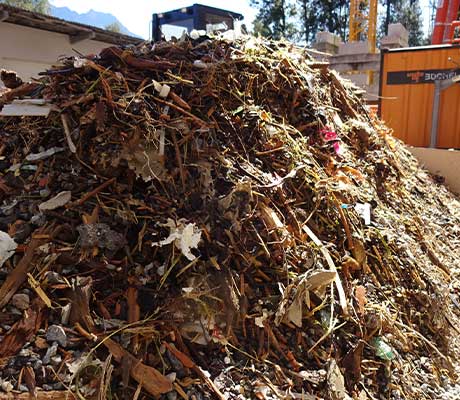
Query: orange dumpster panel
[{"x": 407, "y": 91}]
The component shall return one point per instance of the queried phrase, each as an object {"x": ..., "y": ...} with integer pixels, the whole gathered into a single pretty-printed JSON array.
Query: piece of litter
[
  {"x": 44, "y": 154},
  {"x": 164, "y": 92},
  {"x": 184, "y": 237},
  {"x": 364, "y": 210},
  {"x": 61, "y": 199}
]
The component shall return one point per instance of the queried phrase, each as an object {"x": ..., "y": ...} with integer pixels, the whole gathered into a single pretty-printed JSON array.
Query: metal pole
[
  {"x": 156, "y": 29},
  {"x": 439, "y": 87},
  {"x": 435, "y": 114},
  {"x": 372, "y": 26},
  {"x": 353, "y": 30}
]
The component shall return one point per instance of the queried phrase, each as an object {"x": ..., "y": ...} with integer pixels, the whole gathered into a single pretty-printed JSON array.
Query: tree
[
  {"x": 317, "y": 15},
  {"x": 308, "y": 21},
  {"x": 114, "y": 27},
  {"x": 274, "y": 18},
  {"x": 409, "y": 14},
  {"x": 41, "y": 6}
]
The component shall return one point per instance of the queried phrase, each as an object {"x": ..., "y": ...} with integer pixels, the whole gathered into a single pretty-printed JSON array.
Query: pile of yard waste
[{"x": 214, "y": 219}]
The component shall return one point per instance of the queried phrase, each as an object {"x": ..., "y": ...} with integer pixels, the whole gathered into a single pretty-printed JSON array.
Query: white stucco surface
[{"x": 29, "y": 51}]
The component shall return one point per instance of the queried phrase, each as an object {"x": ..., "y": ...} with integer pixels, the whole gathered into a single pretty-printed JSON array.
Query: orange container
[{"x": 407, "y": 88}]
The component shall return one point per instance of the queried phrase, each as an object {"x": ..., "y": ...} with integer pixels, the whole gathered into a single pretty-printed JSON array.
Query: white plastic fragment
[
  {"x": 44, "y": 154},
  {"x": 196, "y": 34},
  {"x": 28, "y": 107},
  {"x": 6, "y": 386},
  {"x": 14, "y": 167},
  {"x": 80, "y": 62},
  {"x": 65, "y": 313},
  {"x": 259, "y": 321},
  {"x": 157, "y": 85},
  {"x": 184, "y": 236},
  {"x": 61, "y": 199},
  {"x": 200, "y": 64},
  {"x": 364, "y": 210},
  {"x": 164, "y": 92},
  {"x": 78, "y": 363},
  {"x": 7, "y": 247}
]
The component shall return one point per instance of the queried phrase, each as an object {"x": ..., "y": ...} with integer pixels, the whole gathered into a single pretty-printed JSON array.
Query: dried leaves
[{"x": 238, "y": 223}]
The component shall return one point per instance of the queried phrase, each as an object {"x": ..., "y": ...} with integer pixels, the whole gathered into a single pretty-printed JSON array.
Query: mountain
[{"x": 94, "y": 18}]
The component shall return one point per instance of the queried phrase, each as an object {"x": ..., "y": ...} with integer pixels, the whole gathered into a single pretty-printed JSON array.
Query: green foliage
[
  {"x": 114, "y": 27},
  {"x": 275, "y": 18},
  {"x": 300, "y": 20},
  {"x": 322, "y": 15},
  {"x": 41, "y": 6}
]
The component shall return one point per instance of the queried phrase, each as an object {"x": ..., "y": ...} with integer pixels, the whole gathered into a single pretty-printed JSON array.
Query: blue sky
[{"x": 136, "y": 14}]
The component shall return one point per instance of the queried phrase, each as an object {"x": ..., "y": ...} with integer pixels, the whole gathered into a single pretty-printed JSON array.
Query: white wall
[
  {"x": 29, "y": 51},
  {"x": 441, "y": 162}
]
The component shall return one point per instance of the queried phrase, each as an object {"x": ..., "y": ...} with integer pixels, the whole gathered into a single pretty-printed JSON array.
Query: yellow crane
[{"x": 363, "y": 22}]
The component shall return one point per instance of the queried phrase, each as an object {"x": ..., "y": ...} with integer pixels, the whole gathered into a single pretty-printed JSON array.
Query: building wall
[
  {"x": 29, "y": 51},
  {"x": 441, "y": 162},
  {"x": 356, "y": 62},
  {"x": 363, "y": 69}
]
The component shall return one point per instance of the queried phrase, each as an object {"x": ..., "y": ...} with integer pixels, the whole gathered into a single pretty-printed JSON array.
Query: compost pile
[{"x": 215, "y": 219}]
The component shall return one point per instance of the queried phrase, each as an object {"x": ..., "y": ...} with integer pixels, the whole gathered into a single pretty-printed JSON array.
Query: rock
[
  {"x": 56, "y": 333},
  {"x": 45, "y": 192},
  {"x": 21, "y": 301},
  {"x": 23, "y": 388},
  {"x": 171, "y": 377},
  {"x": 25, "y": 353},
  {"x": 100, "y": 235},
  {"x": 6, "y": 386},
  {"x": 38, "y": 365},
  {"x": 56, "y": 360},
  {"x": 15, "y": 311},
  {"x": 38, "y": 220},
  {"x": 50, "y": 353},
  {"x": 23, "y": 231}
]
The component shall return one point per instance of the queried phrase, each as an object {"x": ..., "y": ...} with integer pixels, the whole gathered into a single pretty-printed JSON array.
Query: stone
[
  {"x": 6, "y": 386},
  {"x": 23, "y": 388},
  {"x": 21, "y": 301},
  {"x": 354, "y": 48},
  {"x": 38, "y": 365},
  {"x": 397, "y": 37},
  {"x": 56, "y": 333},
  {"x": 51, "y": 352},
  {"x": 398, "y": 30},
  {"x": 56, "y": 360},
  {"x": 327, "y": 42}
]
